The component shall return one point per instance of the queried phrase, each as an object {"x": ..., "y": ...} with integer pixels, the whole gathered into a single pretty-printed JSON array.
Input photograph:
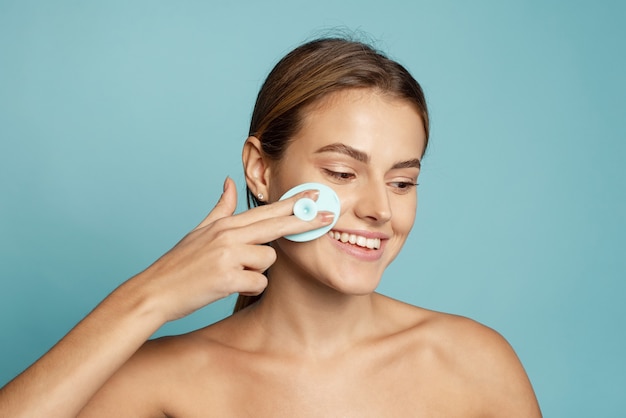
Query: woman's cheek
[{"x": 404, "y": 215}]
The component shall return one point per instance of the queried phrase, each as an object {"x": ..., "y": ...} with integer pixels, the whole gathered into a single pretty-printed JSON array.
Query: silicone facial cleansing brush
[{"x": 306, "y": 209}]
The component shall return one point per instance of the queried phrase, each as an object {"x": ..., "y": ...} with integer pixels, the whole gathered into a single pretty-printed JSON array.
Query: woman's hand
[{"x": 223, "y": 255}]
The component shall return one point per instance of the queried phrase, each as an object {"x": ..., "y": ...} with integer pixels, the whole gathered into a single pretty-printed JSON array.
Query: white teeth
[{"x": 361, "y": 241}]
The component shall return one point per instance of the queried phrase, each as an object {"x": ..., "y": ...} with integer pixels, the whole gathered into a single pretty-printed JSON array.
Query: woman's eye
[
  {"x": 339, "y": 175},
  {"x": 403, "y": 186}
]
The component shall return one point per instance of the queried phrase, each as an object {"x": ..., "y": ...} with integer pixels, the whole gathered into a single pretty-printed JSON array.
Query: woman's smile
[
  {"x": 361, "y": 240},
  {"x": 363, "y": 245}
]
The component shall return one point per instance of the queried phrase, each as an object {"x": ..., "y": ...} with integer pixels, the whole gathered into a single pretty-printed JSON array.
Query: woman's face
[{"x": 367, "y": 147}]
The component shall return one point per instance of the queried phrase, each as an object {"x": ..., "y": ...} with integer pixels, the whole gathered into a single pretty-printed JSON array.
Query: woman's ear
[{"x": 256, "y": 167}]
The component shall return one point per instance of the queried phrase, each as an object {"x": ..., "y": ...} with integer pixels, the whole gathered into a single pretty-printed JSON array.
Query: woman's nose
[{"x": 373, "y": 203}]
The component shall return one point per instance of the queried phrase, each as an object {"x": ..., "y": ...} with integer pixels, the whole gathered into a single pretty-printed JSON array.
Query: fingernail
[
  {"x": 312, "y": 194},
  {"x": 225, "y": 184},
  {"x": 326, "y": 216}
]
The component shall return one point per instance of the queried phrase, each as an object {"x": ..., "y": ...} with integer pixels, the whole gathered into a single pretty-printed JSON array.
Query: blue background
[{"x": 119, "y": 121}]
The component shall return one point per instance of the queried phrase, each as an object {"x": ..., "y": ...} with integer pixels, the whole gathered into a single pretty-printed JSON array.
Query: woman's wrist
[{"x": 139, "y": 298}]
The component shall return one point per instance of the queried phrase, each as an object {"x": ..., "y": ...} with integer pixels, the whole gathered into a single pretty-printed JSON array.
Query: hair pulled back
[{"x": 311, "y": 72}]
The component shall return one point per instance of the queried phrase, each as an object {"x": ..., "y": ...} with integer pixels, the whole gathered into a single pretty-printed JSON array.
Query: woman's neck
[{"x": 304, "y": 315}]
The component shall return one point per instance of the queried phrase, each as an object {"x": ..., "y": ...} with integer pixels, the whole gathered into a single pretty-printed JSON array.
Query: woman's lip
[
  {"x": 361, "y": 253},
  {"x": 366, "y": 234}
]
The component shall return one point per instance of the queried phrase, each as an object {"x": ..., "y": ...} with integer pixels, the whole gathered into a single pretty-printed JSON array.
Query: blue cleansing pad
[{"x": 306, "y": 209}]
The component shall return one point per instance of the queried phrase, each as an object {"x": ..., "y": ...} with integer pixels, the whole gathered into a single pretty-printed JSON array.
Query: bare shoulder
[
  {"x": 468, "y": 359},
  {"x": 162, "y": 374}
]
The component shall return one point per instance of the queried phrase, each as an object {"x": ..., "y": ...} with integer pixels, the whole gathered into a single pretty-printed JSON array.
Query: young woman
[{"x": 310, "y": 337}]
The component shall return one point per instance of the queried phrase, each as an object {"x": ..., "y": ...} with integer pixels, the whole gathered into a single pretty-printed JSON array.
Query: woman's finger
[
  {"x": 280, "y": 208},
  {"x": 258, "y": 257},
  {"x": 225, "y": 207},
  {"x": 270, "y": 229},
  {"x": 249, "y": 283}
]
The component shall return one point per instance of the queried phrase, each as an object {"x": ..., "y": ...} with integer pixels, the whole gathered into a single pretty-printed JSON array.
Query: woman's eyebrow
[
  {"x": 365, "y": 158},
  {"x": 346, "y": 150},
  {"x": 413, "y": 163}
]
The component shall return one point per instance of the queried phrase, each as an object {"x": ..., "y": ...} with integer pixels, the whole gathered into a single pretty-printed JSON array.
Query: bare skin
[
  {"x": 414, "y": 363},
  {"x": 321, "y": 342}
]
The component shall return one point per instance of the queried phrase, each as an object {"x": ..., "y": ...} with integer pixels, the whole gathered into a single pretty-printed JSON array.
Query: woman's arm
[
  {"x": 62, "y": 381},
  {"x": 220, "y": 257}
]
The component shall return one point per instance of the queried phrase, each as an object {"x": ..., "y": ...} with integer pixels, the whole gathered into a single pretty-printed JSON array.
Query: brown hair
[{"x": 309, "y": 73}]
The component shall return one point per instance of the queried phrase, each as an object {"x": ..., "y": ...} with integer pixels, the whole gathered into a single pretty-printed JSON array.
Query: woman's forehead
[{"x": 362, "y": 117}]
